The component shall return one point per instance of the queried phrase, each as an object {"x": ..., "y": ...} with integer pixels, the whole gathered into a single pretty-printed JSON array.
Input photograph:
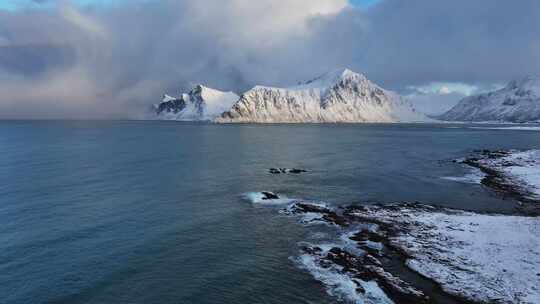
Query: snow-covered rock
[
  {"x": 484, "y": 258},
  {"x": 511, "y": 171},
  {"x": 200, "y": 104},
  {"x": 519, "y": 101},
  {"x": 338, "y": 96}
]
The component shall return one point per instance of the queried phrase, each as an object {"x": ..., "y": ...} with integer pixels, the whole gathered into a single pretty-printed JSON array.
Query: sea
[{"x": 165, "y": 212}]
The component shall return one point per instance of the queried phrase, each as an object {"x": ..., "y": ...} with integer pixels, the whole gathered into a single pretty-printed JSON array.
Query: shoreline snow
[
  {"x": 485, "y": 258},
  {"x": 511, "y": 172},
  {"x": 470, "y": 256}
]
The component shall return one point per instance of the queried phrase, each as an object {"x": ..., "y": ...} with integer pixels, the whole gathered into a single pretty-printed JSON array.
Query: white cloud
[{"x": 444, "y": 90}]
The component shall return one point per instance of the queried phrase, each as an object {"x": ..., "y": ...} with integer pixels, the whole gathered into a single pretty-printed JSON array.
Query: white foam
[
  {"x": 310, "y": 218},
  {"x": 340, "y": 285},
  {"x": 350, "y": 245},
  {"x": 318, "y": 236},
  {"x": 475, "y": 176},
  {"x": 258, "y": 198}
]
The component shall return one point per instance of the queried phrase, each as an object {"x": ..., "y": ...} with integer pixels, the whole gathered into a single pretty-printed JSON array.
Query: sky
[
  {"x": 18, "y": 4},
  {"x": 113, "y": 58}
]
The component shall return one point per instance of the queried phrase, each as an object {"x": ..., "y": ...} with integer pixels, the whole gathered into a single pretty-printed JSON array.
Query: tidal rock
[{"x": 269, "y": 195}]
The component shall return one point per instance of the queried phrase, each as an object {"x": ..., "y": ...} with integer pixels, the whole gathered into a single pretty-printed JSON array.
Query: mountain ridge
[
  {"x": 334, "y": 97},
  {"x": 200, "y": 104},
  {"x": 517, "y": 102}
]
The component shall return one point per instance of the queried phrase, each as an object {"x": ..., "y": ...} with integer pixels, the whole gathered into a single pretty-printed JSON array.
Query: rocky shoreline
[
  {"x": 417, "y": 253},
  {"x": 495, "y": 164}
]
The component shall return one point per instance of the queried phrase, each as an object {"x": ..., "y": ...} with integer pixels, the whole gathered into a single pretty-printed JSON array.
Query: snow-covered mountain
[
  {"x": 519, "y": 101},
  {"x": 201, "y": 103},
  {"x": 338, "y": 96}
]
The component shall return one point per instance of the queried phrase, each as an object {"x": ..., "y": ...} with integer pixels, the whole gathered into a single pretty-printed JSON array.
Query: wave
[{"x": 338, "y": 284}]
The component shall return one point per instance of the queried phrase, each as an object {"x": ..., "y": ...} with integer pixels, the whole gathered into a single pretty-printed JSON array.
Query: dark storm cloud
[
  {"x": 469, "y": 41},
  {"x": 114, "y": 61}
]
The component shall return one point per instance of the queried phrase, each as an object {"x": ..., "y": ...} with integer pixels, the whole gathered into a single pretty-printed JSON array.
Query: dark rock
[
  {"x": 274, "y": 171},
  {"x": 342, "y": 258},
  {"x": 173, "y": 106},
  {"x": 297, "y": 171},
  {"x": 269, "y": 195},
  {"x": 366, "y": 235},
  {"x": 286, "y": 170},
  {"x": 368, "y": 268},
  {"x": 328, "y": 214}
]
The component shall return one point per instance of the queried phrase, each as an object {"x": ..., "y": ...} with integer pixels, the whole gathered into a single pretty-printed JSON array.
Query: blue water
[{"x": 153, "y": 212}]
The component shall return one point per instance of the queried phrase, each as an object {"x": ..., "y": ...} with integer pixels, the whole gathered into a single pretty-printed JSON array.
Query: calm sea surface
[{"x": 154, "y": 212}]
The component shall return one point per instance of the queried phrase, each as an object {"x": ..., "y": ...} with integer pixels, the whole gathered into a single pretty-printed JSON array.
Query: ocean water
[{"x": 158, "y": 212}]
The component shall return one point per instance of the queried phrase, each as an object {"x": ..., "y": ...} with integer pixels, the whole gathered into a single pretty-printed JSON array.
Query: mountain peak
[
  {"x": 201, "y": 103},
  {"x": 167, "y": 98},
  {"x": 530, "y": 82},
  {"x": 518, "y": 102},
  {"x": 198, "y": 88},
  {"x": 336, "y": 96},
  {"x": 333, "y": 77}
]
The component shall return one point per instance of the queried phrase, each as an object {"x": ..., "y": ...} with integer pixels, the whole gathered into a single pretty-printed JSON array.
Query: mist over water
[{"x": 156, "y": 212}]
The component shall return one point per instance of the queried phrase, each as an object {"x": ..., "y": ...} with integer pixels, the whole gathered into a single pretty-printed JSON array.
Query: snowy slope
[
  {"x": 201, "y": 103},
  {"x": 338, "y": 96},
  {"x": 519, "y": 101}
]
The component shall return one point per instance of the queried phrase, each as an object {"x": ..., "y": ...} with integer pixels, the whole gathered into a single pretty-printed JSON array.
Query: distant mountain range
[
  {"x": 337, "y": 96},
  {"x": 518, "y": 102},
  {"x": 343, "y": 96}
]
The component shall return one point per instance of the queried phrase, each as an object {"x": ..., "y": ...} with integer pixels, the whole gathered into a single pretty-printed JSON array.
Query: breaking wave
[{"x": 475, "y": 176}]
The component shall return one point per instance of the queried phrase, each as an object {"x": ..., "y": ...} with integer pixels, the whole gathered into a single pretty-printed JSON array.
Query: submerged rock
[
  {"x": 269, "y": 195},
  {"x": 286, "y": 170}
]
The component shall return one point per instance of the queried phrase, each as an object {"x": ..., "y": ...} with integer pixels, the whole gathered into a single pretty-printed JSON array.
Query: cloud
[
  {"x": 122, "y": 57},
  {"x": 85, "y": 23},
  {"x": 444, "y": 90},
  {"x": 455, "y": 41},
  {"x": 113, "y": 61}
]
